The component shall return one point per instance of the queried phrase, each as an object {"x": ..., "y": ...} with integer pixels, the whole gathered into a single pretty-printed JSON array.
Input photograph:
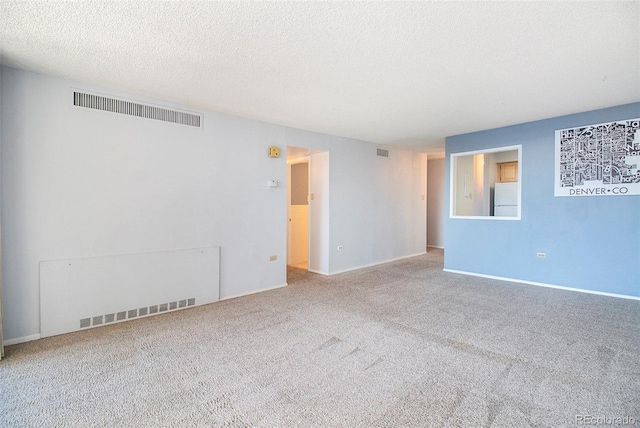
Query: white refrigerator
[{"x": 505, "y": 200}]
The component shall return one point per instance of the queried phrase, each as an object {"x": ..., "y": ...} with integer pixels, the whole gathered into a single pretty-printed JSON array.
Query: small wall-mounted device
[
  {"x": 274, "y": 152},
  {"x": 272, "y": 183}
]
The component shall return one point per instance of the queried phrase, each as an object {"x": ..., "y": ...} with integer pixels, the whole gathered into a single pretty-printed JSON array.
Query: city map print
[{"x": 598, "y": 160}]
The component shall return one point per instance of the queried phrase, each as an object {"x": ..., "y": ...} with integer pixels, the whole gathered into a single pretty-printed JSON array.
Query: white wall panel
[{"x": 87, "y": 292}]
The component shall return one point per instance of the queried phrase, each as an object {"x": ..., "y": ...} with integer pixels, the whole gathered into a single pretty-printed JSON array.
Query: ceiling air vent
[
  {"x": 98, "y": 102},
  {"x": 383, "y": 152}
]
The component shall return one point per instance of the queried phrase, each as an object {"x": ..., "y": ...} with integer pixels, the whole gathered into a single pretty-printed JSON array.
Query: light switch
[{"x": 272, "y": 183}]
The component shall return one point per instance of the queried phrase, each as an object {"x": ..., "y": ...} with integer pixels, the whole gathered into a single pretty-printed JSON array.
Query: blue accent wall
[{"x": 592, "y": 242}]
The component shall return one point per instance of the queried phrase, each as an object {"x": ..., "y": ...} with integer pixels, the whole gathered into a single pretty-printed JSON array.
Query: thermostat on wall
[{"x": 274, "y": 152}]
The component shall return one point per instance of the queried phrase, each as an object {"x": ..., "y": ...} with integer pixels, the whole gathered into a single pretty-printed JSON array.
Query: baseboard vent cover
[
  {"x": 135, "y": 313},
  {"x": 98, "y": 102},
  {"x": 77, "y": 294}
]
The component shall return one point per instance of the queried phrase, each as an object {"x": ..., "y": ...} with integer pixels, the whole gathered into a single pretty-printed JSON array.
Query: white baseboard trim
[
  {"x": 235, "y": 296},
  {"x": 542, "y": 284},
  {"x": 379, "y": 263},
  {"x": 23, "y": 339},
  {"x": 318, "y": 272},
  {"x": 435, "y": 246}
]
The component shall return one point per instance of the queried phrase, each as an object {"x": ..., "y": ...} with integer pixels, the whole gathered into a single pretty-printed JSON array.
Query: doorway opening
[
  {"x": 298, "y": 209},
  {"x": 307, "y": 213}
]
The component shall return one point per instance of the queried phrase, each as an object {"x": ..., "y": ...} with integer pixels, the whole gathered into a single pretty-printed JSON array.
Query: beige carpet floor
[{"x": 401, "y": 344}]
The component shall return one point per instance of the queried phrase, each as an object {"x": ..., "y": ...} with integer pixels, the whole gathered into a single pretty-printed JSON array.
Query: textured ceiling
[{"x": 386, "y": 72}]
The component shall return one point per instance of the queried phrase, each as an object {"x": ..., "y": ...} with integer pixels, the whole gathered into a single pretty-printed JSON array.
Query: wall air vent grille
[
  {"x": 135, "y": 313},
  {"x": 98, "y": 102},
  {"x": 383, "y": 153}
]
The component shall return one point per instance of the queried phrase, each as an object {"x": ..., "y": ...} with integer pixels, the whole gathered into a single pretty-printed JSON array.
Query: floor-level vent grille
[
  {"x": 98, "y": 102},
  {"x": 135, "y": 313},
  {"x": 383, "y": 153}
]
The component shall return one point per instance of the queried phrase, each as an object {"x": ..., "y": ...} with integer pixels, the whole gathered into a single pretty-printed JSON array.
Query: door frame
[{"x": 297, "y": 160}]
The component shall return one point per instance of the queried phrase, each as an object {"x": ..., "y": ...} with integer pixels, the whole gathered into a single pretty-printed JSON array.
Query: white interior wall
[
  {"x": 377, "y": 210},
  {"x": 1, "y": 310},
  {"x": 319, "y": 214},
  {"x": 81, "y": 183},
  {"x": 435, "y": 203},
  {"x": 480, "y": 199},
  {"x": 464, "y": 185}
]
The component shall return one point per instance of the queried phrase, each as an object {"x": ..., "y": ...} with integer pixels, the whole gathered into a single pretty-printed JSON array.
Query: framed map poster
[{"x": 598, "y": 160}]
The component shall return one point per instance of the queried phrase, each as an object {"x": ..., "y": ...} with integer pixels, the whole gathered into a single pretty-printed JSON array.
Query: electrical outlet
[
  {"x": 541, "y": 255},
  {"x": 340, "y": 247},
  {"x": 273, "y": 258}
]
